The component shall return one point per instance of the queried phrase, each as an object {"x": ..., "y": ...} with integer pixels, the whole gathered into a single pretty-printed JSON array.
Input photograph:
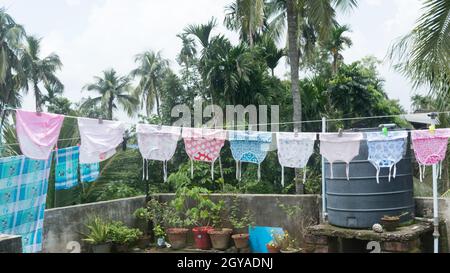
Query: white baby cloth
[
  {"x": 340, "y": 148},
  {"x": 158, "y": 142},
  {"x": 99, "y": 140},
  {"x": 294, "y": 150}
]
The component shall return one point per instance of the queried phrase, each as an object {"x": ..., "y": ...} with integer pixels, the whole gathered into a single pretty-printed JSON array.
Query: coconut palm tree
[
  {"x": 151, "y": 71},
  {"x": 247, "y": 17},
  {"x": 40, "y": 70},
  {"x": 12, "y": 76},
  {"x": 423, "y": 54},
  {"x": 114, "y": 91},
  {"x": 336, "y": 44}
]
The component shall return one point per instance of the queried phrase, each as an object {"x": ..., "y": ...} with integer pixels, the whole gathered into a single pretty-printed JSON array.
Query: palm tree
[
  {"x": 188, "y": 51},
  {"x": 271, "y": 53},
  {"x": 114, "y": 91},
  {"x": 151, "y": 70},
  {"x": 423, "y": 54},
  {"x": 12, "y": 76},
  {"x": 336, "y": 44},
  {"x": 247, "y": 17},
  {"x": 40, "y": 70}
]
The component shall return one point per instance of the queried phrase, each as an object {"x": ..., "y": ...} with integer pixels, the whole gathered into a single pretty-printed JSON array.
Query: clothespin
[
  {"x": 78, "y": 144},
  {"x": 38, "y": 112},
  {"x": 160, "y": 126},
  {"x": 385, "y": 131},
  {"x": 296, "y": 132},
  {"x": 100, "y": 120},
  {"x": 432, "y": 128},
  {"x": 341, "y": 132}
]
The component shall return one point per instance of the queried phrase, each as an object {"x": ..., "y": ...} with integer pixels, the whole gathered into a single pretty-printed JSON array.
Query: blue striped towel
[
  {"x": 23, "y": 193},
  {"x": 89, "y": 172},
  {"x": 66, "y": 170}
]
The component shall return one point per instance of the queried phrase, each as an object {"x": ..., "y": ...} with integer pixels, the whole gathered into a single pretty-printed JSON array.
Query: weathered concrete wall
[
  {"x": 10, "y": 244},
  {"x": 65, "y": 225},
  {"x": 292, "y": 212}
]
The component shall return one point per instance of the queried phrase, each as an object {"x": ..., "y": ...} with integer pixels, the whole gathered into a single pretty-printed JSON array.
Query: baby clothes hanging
[
  {"x": 340, "y": 148},
  {"x": 294, "y": 151},
  {"x": 430, "y": 148},
  {"x": 250, "y": 147},
  {"x": 99, "y": 139},
  {"x": 37, "y": 133},
  {"x": 203, "y": 145},
  {"x": 158, "y": 143},
  {"x": 386, "y": 151},
  {"x": 66, "y": 169}
]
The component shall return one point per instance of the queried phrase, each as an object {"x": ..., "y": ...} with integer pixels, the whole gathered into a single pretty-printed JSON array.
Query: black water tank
[{"x": 362, "y": 202}]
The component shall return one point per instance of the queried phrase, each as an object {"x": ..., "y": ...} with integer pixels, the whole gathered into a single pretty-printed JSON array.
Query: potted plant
[
  {"x": 220, "y": 237},
  {"x": 276, "y": 244},
  {"x": 143, "y": 216},
  {"x": 160, "y": 236},
  {"x": 391, "y": 223},
  {"x": 200, "y": 214},
  {"x": 98, "y": 236},
  {"x": 176, "y": 231},
  {"x": 288, "y": 245},
  {"x": 240, "y": 224},
  {"x": 123, "y": 237}
]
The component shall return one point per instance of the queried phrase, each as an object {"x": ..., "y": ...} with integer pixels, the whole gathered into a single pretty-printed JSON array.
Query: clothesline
[{"x": 265, "y": 124}]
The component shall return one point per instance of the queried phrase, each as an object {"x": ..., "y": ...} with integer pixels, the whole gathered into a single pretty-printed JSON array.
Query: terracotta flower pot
[
  {"x": 143, "y": 242},
  {"x": 241, "y": 240},
  {"x": 177, "y": 237},
  {"x": 289, "y": 251},
  {"x": 220, "y": 238},
  {"x": 272, "y": 249},
  {"x": 201, "y": 237},
  {"x": 390, "y": 223}
]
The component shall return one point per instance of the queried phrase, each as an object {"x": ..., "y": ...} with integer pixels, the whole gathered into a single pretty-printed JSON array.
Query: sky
[{"x": 93, "y": 35}]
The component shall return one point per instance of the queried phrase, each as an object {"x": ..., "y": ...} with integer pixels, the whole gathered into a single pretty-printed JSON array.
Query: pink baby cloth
[
  {"x": 430, "y": 148},
  {"x": 37, "y": 133},
  {"x": 99, "y": 140},
  {"x": 158, "y": 142},
  {"x": 340, "y": 148},
  {"x": 203, "y": 145}
]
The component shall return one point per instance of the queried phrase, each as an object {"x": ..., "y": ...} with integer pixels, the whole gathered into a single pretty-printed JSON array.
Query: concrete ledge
[{"x": 10, "y": 243}]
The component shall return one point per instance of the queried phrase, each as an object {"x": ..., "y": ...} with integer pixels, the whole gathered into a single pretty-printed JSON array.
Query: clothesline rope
[{"x": 272, "y": 123}]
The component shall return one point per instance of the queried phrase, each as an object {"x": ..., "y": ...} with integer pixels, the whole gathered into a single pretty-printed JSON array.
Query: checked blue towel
[
  {"x": 23, "y": 193},
  {"x": 66, "y": 170}
]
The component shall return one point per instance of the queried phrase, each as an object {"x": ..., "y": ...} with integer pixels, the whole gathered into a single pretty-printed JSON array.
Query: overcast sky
[{"x": 93, "y": 35}]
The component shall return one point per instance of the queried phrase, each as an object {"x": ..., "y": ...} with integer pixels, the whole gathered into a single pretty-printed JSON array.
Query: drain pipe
[
  {"x": 435, "y": 197},
  {"x": 324, "y": 187}
]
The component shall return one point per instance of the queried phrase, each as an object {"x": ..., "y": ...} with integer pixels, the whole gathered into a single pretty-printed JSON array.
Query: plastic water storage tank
[{"x": 362, "y": 202}]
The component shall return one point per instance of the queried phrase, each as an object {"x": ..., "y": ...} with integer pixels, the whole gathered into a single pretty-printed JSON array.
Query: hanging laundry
[
  {"x": 158, "y": 143},
  {"x": 37, "y": 133},
  {"x": 99, "y": 140},
  {"x": 89, "y": 172},
  {"x": 203, "y": 145},
  {"x": 335, "y": 147},
  {"x": 385, "y": 151},
  {"x": 294, "y": 151},
  {"x": 66, "y": 170},
  {"x": 430, "y": 148},
  {"x": 250, "y": 147},
  {"x": 23, "y": 193}
]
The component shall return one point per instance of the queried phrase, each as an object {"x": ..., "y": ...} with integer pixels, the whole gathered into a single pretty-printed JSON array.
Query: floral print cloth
[
  {"x": 203, "y": 145},
  {"x": 430, "y": 148},
  {"x": 250, "y": 147},
  {"x": 385, "y": 151}
]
